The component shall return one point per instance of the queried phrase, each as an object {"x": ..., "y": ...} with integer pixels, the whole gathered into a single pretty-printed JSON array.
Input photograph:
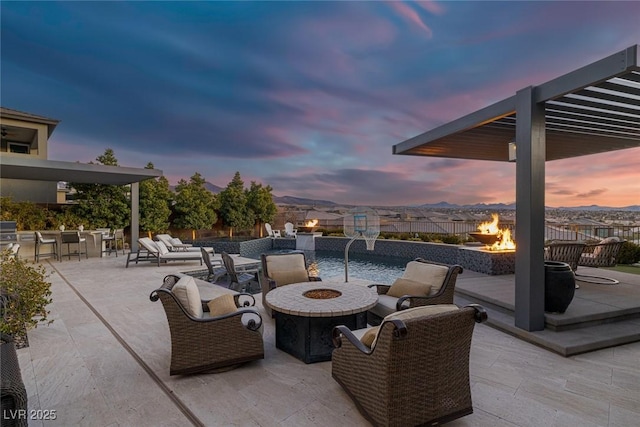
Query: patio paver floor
[{"x": 85, "y": 367}]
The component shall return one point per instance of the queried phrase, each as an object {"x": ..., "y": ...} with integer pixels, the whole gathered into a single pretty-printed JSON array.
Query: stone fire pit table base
[{"x": 304, "y": 325}]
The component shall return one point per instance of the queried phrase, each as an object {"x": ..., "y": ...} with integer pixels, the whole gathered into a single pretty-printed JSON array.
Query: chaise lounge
[{"x": 158, "y": 252}]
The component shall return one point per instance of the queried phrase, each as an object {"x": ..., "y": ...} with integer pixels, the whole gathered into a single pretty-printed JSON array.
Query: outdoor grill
[{"x": 8, "y": 232}]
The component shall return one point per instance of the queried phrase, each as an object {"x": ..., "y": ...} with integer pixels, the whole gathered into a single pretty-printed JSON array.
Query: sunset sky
[{"x": 308, "y": 97}]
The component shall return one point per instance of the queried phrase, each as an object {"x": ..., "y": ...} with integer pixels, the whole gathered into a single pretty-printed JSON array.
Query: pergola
[
  {"x": 29, "y": 168},
  {"x": 594, "y": 109}
]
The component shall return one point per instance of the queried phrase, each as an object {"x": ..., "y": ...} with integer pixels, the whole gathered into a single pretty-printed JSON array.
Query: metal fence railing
[{"x": 553, "y": 231}]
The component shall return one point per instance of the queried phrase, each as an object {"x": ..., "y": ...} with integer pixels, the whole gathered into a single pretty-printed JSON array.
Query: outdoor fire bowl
[
  {"x": 322, "y": 294},
  {"x": 307, "y": 229},
  {"x": 487, "y": 239}
]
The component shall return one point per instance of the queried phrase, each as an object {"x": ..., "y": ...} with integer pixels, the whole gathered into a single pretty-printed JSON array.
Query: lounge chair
[
  {"x": 289, "y": 231},
  {"x": 215, "y": 267},
  {"x": 157, "y": 251},
  {"x": 422, "y": 283},
  {"x": 602, "y": 254},
  {"x": 562, "y": 251},
  {"x": 271, "y": 232},
  {"x": 238, "y": 280},
  {"x": 416, "y": 372},
  {"x": 208, "y": 336},
  {"x": 175, "y": 245}
]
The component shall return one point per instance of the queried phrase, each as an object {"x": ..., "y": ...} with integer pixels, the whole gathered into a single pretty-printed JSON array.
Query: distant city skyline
[{"x": 308, "y": 97}]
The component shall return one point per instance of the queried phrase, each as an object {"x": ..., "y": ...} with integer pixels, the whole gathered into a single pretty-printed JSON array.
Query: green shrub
[
  {"x": 24, "y": 295},
  {"x": 629, "y": 253}
]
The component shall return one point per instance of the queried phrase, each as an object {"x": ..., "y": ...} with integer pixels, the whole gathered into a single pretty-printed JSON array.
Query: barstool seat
[
  {"x": 69, "y": 237},
  {"x": 42, "y": 241}
]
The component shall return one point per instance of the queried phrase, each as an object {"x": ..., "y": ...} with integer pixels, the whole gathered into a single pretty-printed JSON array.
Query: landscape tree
[
  {"x": 233, "y": 205},
  {"x": 260, "y": 203},
  {"x": 155, "y": 199},
  {"x": 103, "y": 205},
  {"x": 195, "y": 206},
  {"x": 28, "y": 215}
]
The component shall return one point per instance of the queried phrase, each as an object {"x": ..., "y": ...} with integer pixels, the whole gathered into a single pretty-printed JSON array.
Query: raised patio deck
[{"x": 105, "y": 361}]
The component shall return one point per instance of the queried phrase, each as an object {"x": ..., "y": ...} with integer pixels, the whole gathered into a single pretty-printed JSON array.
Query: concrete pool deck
[{"x": 105, "y": 362}]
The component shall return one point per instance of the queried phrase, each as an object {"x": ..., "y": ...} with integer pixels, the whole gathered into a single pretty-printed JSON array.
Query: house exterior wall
[{"x": 38, "y": 144}]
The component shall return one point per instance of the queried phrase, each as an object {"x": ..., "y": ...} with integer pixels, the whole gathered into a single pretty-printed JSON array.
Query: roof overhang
[
  {"x": 18, "y": 167},
  {"x": 9, "y": 113},
  {"x": 591, "y": 110}
]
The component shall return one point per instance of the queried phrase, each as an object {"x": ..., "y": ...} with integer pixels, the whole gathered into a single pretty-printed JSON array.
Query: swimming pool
[
  {"x": 380, "y": 269},
  {"x": 329, "y": 264}
]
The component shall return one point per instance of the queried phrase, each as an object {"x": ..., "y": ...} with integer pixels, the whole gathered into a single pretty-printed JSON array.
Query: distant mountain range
[
  {"x": 291, "y": 200},
  {"x": 498, "y": 206}
]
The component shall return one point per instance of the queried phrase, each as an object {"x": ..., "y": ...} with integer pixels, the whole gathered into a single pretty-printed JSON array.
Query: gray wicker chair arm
[{"x": 381, "y": 289}]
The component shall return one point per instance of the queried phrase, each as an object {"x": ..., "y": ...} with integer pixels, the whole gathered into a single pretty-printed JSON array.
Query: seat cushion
[
  {"x": 385, "y": 306},
  {"x": 162, "y": 248},
  {"x": 224, "y": 304},
  {"x": 408, "y": 287},
  {"x": 429, "y": 274},
  {"x": 186, "y": 291}
]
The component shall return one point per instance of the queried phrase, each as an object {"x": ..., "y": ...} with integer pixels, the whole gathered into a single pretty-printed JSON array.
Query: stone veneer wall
[{"x": 471, "y": 258}]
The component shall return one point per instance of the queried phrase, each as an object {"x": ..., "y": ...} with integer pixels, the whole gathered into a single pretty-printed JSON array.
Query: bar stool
[
  {"x": 42, "y": 241},
  {"x": 69, "y": 237},
  {"x": 112, "y": 241}
]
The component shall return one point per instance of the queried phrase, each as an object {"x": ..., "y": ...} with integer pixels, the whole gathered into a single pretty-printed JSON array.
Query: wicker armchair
[
  {"x": 416, "y": 270},
  {"x": 13, "y": 393},
  {"x": 282, "y": 269},
  {"x": 603, "y": 254},
  {"x": 417, "y": 373},
  {"x": 561, "y": 251},
  {"x": 210, "y": 344}
]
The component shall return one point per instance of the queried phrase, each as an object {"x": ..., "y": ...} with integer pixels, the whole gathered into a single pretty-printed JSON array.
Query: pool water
[
  {"x": 379, "y": 269},
  {"x": 328, "y": 264}
]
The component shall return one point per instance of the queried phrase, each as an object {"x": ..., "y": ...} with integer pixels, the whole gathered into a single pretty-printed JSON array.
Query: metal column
[{"x": 530, "y": 213}]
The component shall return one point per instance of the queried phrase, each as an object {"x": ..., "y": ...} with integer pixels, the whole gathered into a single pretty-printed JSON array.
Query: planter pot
[{"x": 559, "y": 286}]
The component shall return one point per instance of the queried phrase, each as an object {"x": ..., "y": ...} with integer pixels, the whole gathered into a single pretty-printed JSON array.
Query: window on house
[{"x": 18, "y": 147}]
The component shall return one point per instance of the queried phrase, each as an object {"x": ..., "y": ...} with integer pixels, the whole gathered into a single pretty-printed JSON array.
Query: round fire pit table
[{"x": 305, "y": 319}]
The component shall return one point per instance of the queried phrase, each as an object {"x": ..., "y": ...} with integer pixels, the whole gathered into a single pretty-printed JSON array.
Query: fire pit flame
[
  {"x": 309, "y": 226},
  {"x": 503, "y": 238}
]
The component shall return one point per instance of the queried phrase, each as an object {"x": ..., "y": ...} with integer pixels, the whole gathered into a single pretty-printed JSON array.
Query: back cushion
[
  {"x": 598, "y": 249},
  {"x": 176, "y": 241},
  {"x": 408, "y": 287},
  {"x": 224, "y": 304},
  {"x": 148, "y": 244},
  {"x": 162, "y": 248},
  {"x": 429, "y": 274},
  {"x": 287, "y": 269},
  {"x": 188, "y": 294}
]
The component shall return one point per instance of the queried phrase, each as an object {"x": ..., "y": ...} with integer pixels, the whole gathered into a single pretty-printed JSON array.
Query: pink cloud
[
  {"x": 432, "y": 7},
  {"x": 404, "y": 10}
]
